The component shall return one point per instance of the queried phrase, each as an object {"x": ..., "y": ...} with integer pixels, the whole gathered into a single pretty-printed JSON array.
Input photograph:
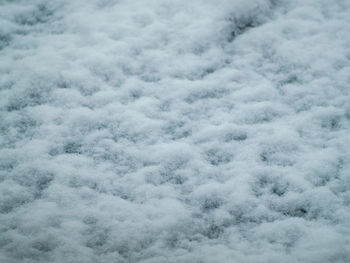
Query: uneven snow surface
[{"x": 160, "y": 131}]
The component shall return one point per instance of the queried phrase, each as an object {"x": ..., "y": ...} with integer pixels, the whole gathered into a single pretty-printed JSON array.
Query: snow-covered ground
[{"x": 163, "y": 131}]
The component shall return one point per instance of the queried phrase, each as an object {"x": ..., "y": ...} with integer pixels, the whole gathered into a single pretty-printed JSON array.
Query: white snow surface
[{"x": 160, "y": 131}]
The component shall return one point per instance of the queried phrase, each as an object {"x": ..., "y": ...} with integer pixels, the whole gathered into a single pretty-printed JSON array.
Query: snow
[{"x": 174, "y": 131}]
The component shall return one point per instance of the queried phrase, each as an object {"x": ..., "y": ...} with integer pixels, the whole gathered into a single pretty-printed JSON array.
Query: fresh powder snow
[{"x": 174, "y": 131}]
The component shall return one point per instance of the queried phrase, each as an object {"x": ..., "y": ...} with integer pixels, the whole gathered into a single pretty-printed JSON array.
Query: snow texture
[{"x": 161, "y": 131}]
